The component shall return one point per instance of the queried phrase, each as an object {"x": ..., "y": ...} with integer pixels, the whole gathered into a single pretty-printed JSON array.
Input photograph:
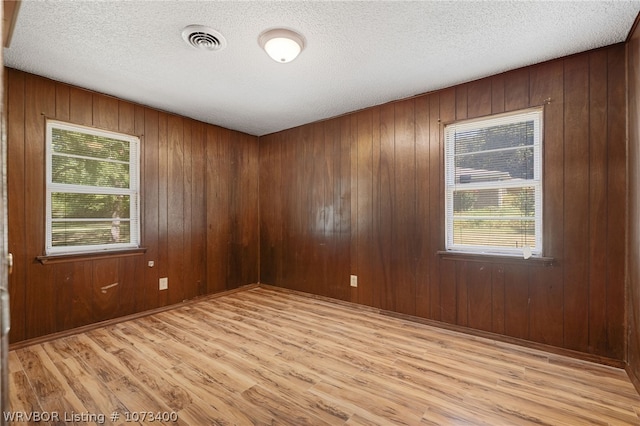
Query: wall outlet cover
[{"x": 164, "y": 283}]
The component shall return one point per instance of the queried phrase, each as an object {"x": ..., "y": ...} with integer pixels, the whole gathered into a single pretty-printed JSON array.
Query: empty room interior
[{"x": 358, "y": 213}]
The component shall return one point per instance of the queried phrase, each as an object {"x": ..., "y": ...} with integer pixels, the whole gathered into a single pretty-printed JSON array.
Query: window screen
[
  {"x": 92, "y": 189},
  {"x": 494, "y": 184}
]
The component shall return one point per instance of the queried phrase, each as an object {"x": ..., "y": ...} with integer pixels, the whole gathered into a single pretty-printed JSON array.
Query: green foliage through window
[
  {"x": 92, "y": 189},
  {"x": 494, "y": 184}
]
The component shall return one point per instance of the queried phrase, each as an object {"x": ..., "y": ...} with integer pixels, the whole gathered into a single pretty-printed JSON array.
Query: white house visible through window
[
  {"x": 92, "y": 189},
  {"x": 493, "y": 181}
]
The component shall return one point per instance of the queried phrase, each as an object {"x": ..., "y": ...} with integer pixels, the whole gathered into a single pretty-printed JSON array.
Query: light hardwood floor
[{"x": 265, "y": 356}]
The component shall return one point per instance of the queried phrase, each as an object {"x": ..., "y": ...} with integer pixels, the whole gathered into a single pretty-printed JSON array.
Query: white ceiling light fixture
[
  {"x": 205, "y": 38},
  {"x": 281, "y": 45}
]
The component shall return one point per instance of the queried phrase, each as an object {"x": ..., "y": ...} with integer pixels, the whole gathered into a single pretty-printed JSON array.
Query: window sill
[
  {"x": 77, "y": 257},
  {"x": 496, "y": 258}
]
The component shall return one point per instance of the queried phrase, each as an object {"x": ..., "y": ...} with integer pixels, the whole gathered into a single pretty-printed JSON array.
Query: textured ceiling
[{"x": 358, "y": 54}]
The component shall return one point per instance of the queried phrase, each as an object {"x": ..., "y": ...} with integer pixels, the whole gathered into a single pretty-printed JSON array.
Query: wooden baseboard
[
  {"x": 452, "y": 327},
  {"x": 77, "y": 330},
  {"x": 635, "y": 381}
]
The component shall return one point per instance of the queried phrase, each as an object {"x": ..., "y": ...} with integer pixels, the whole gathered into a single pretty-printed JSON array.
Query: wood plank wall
[
  {"x": 633, "y": 240},
  {"x": 363, "y": 194},
  {"x": 199, "y": 211}
]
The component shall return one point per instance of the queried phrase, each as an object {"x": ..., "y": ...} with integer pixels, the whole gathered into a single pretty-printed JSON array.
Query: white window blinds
[
  {"x": 493, "y": 181},
  {"x": 92, "y": 189}
]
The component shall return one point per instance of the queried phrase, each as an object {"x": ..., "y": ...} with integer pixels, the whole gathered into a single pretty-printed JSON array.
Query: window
[
  {"x": 92, "y": 189},
  {"x": 493, "y": 183}
]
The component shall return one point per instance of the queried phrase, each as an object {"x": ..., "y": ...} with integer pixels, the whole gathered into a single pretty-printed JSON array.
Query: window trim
[
  {"x": 133, "y": 191},
  {"x": 535, "y": 113}
]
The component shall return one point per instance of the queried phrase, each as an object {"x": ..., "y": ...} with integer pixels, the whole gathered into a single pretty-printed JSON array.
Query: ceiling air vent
[{"x": 205, "y": 38}]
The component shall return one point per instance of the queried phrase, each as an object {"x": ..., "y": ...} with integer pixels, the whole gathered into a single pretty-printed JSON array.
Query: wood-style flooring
[{"x": 266, "y": 356}]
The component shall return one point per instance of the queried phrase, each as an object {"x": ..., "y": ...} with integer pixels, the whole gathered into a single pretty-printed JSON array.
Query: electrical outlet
[
  {"x": 164, "y": 283},
  {"x": 354, "y": 281}
]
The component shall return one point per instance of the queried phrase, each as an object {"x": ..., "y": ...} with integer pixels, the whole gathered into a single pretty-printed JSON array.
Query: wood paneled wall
[
  {"x": 359, "y": 194},
  {"x": 199, "y": 211},
  {"x": 363, "y": 194},
  {"x": 633, "y": 240}
]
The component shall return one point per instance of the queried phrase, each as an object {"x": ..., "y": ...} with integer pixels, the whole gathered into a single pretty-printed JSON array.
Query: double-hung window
[
  {"x": 493, "y": 184},
  {"x": 92, "y": 190}
]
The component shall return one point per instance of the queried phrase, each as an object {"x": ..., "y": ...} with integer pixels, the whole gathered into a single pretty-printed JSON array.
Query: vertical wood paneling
[
  {"x": 105, "y": 112},
  {"x": 498, "y": 299},
  {"x": 271, "y": 221},
  {"x": 479, "y": 98},
  {"x": 150, "y": 214},
  {"x": 446, "y": 304},
  {"x": 288, "y": 155},
  {"x": 516, "y": 90},
  {"x": 449, "y": 292},
  {"x": 106, "y": 288},
  {"x": 131, "y": 272},
  {"x": 321, "y": 202},
  {"x": 343, "y": 200},
  {"x": 343, "y": 250},
  {"x": 62, "y": 102},
  {"x": 73, "y": 284},
  {"x": 198, "y": 208},
  {"x": 189, "y": 288},
  {"x": 597, "y": 199},
  {"x": 397, "y": 202},
  {"x": 299, "y": 245},
  {"x": 59, "y": 296},
  {"x": 422, "y": 234},
  {"x": 462, "y": 292},
  {"x": 384, "y": 235},
  {"x": 250, "y": 211},
  {"x": 17, "y": 229},
  {"x": 616, "y": 191},
  {"x": 576, "y": 212},
  {"x": 367, "y": 209},
  {"x": 633, "y": 242},
  {"x": 338, "y": 271},
  {"x": 517, "y": 301},
  {"x": 140, "y": 284},
  {"x": 497, "y": 94},
  {"x": 546, "y": 285},
  {"x": 218, "y": 229},
  {"x": 333, "y": 274},
  {"x": 480, "y": 305},
  {"x": 126, "y": 118},
  {"x": 80, "y": 106},
  {"x": 39, "y": 103},
  {"x": 403, "y": 265},
  {"x": 385, "y": 165},
  {"x": 314, "y": 237},
  {"x": 234, "y": 246},
  {"x": 289, "y": 186},
  {"x": 375, "y": 223},
  {"x": 436, "y": 191},
  {"x": 243, "y": 256},
  {"x": 349, "y": 135},
  {"x": 175, "y": 210},
  {"x": 163, "y": 209},
  {"x": 462, "y": 98}
]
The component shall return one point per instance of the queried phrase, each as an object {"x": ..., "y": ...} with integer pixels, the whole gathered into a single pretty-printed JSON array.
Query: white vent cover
[{"x": 201, "y": 37}]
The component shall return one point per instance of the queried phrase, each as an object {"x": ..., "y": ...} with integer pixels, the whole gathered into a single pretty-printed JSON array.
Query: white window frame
[
  {"x": 133, "y": 191},
  {"x": 535, "y": 114}
]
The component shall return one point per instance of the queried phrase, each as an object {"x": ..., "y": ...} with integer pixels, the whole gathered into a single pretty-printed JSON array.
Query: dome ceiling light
[{"x": 281, "y": 45}]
